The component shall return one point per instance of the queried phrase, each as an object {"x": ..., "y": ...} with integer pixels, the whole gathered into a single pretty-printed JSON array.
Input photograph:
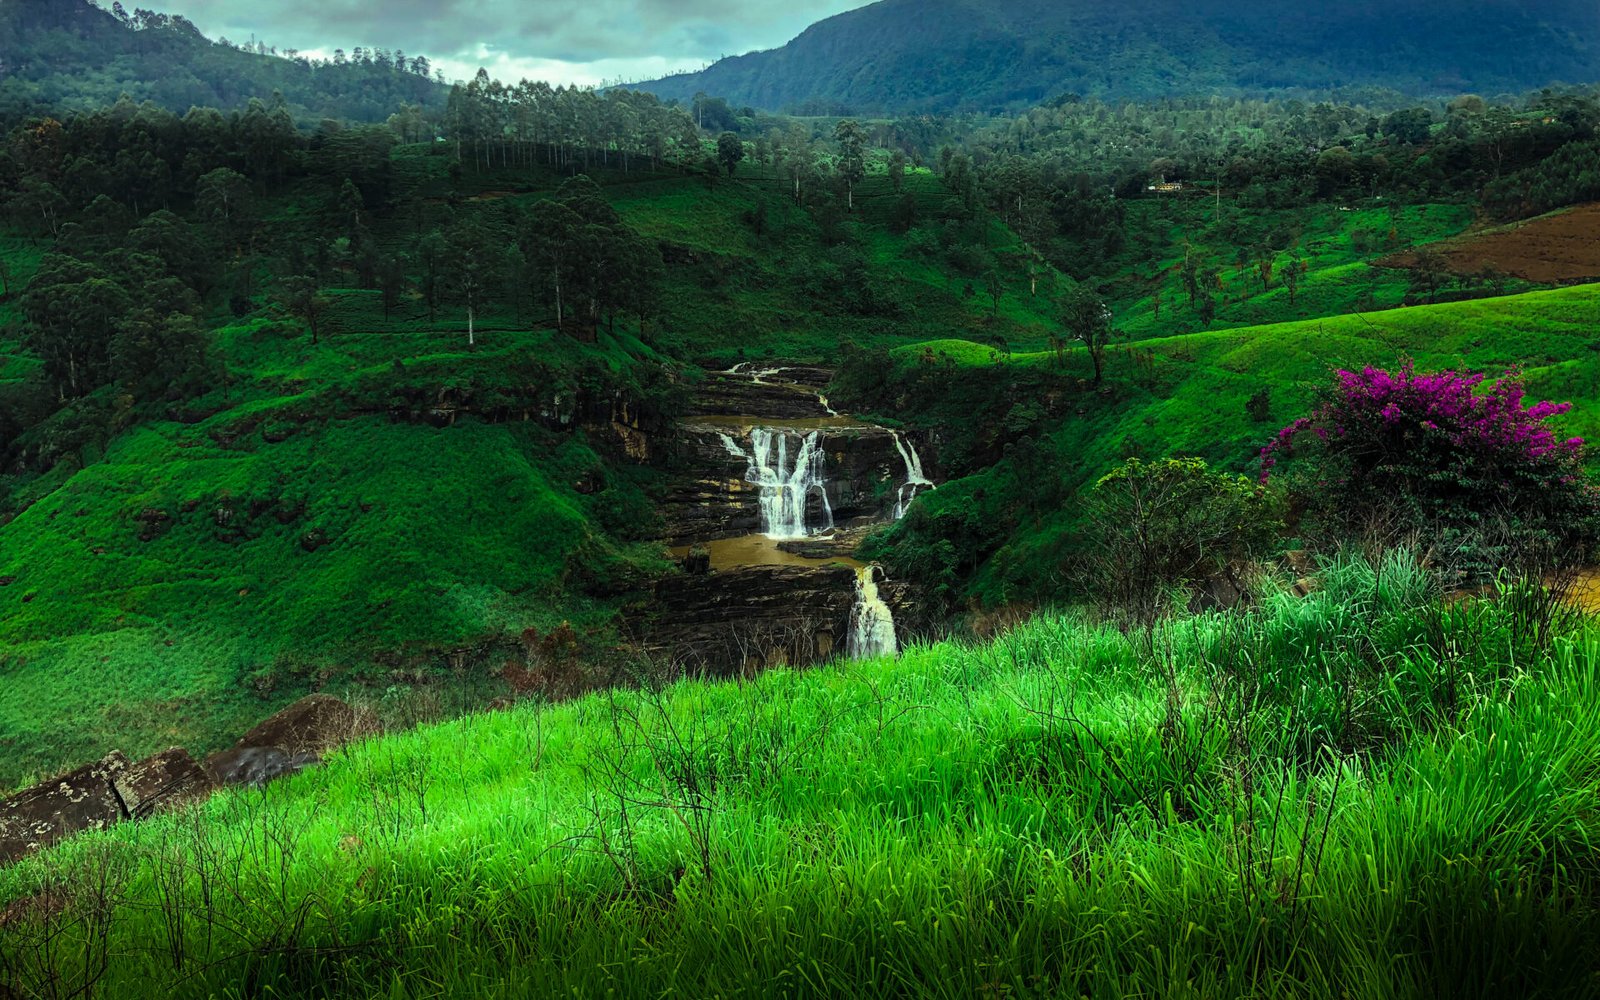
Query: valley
[{"x": 1014, "y": 501}]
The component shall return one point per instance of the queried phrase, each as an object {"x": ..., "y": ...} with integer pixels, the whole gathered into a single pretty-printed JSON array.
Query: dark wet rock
[
  {"x": 771, "y": 398},
  {"x": 153, "y": 523},
  {"x": 841, "y": 542},
  {"x": 316, "y": 723},
  {"x": 84, "y": 799},
  {"x": 161, "y": 781},
  {"x": 752, "y": 617},
  {"x": 697, "y": 562},
  {"x": 256, "y": 766},
  {"x": 755, "y": 617},
  {"x": 863, "y": 468}
]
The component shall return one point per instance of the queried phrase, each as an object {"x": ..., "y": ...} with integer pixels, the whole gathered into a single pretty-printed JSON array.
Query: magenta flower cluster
[{"x": 1374, "y": 406}]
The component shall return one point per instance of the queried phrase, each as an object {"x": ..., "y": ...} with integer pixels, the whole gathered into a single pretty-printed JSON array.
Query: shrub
[
  {"x": 1444, "y": 455},
  {"x": 1159, "y": 526}
]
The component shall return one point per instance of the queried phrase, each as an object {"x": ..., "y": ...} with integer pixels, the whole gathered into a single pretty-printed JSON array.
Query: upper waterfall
[
  {"x": 785, "y": 485},
  {"x": 915, "y": 479}
]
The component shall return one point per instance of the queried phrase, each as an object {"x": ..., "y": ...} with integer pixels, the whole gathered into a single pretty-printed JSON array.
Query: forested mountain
[
  {"x": 61, "y": 54},
  {"x": 940, "y": 55}
]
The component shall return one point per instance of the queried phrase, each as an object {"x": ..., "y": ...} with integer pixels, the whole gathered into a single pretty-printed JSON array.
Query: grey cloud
[{"x": 575, "y": 32}]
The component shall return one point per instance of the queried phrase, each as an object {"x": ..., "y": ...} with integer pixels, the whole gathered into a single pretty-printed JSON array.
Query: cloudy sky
[{"x": 563, "y": 41}]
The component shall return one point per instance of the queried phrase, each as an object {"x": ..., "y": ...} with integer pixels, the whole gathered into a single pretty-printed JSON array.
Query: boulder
[
  {"x": 316, "y": 723},
  {"x": 257, "y": 766},
  {"x": 84, "y": 799},
  {"x": 161, "y": 781},
  {"x": 289, "y": 742}
]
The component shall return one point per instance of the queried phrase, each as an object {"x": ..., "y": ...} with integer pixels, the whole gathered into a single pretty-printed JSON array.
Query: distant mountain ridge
[
  {"x": 900, "y": 56},
  {"x": 66, "y": 54}
]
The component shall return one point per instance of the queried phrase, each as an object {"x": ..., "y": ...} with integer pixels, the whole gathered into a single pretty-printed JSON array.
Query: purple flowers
[{"x": 1387, "y": 414}]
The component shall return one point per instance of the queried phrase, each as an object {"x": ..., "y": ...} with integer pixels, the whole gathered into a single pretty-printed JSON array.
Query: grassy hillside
[
  {"x": 195, "y": 576},
  {"x": 1011, "y": 526},
  {"x": 1364, "y": 793},
  {"x": 182, "y": 569}
]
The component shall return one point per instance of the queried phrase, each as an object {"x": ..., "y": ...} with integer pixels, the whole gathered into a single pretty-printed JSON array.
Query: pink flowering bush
[{"x": 1449, "y": 453}]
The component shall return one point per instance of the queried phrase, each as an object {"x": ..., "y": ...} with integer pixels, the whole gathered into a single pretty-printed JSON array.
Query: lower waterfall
[
  {"x": 871, "y": 621},
  {"x": 785, "y": 485},
  {"x": 915, "y": 479}
]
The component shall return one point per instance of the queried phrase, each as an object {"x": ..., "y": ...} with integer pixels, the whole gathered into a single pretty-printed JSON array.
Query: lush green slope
[
  {"x": 307, "y": 528},
  {"x": 181, "y": 585},
  {"x": 1011, "y": 527},
  {"x": 1364, "y": 793},
  {"x": 987, "y": 54},
  {"x": 61, "y": 54}
]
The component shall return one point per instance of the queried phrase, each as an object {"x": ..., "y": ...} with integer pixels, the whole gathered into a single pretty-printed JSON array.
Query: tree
[
  {"x": 1292, "y": 273},
  {"x": 5, "y": 279},
  {"x": 391, "y": 275},
  {"x": 730, "y": 150},
  {"x": 996, "y": 287},
  {"x": 1448, "y": 454},
  {"x": 153, "y": 353},
  {"x": 548, "y": 240},
  {"x": 897, "y": 171},
  {"x": 1158, "y": 526},
  {"x": 1410, "y": 126},
  {"x": 223, "y": 198},
  {"x": 852, "y": 141},
  {"x": 431, "y": 252},
  {"x": 472, "y": 269},
  {"x": 300, "y": 295},
  {"x": 1428, "y": 272},
  {"x": 1087, "y": 320}
]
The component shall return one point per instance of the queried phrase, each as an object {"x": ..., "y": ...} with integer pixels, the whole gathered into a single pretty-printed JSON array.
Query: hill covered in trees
[
  {"x": 61, "y": 54},
  {"x": 939, "y": 55}
]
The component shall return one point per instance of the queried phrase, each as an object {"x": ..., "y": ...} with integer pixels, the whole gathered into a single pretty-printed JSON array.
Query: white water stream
[
  {"x": 915, "y": 479},
  {"x": 785, "y": 484},
  {"x": 871, "y": 621}
]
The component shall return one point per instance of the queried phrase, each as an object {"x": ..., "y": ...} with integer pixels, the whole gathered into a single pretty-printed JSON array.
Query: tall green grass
[{"x": 1280, "y": 803}]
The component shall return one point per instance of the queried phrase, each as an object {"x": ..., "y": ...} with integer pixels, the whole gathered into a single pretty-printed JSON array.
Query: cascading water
[
  {"x": 785, "y": 485},
  {"x": 915, "y": 480},
  {"x": 871, "y": 621}
]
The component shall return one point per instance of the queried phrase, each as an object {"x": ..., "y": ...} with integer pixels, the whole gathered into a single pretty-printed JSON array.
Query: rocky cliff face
[
  {"x": 752, "y": 618},
  {"x": 749, "y": 617},
  {"x": 863, "y": 471}
]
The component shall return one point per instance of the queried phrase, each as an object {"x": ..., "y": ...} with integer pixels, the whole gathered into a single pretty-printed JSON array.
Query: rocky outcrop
[
  {"x": 112, "y": 790},
  {"x": 864, "y": 472},
  {"x": 755, "y": 617},
  {"x": 85, "y": 799},
  {"x": 773, "y": 395},
  {"x": 316, "y": 723},
  {"x": 256, "y": 766},
  {"x": 162, "y": 781},
  {"x": 751, "y": 617},
  {"x": 289, "y": 742}
]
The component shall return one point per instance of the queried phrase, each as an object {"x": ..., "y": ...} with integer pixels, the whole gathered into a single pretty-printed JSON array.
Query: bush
[
  {"x": 1157, "y": 527},
  {"x": 1441, "y": 455}
]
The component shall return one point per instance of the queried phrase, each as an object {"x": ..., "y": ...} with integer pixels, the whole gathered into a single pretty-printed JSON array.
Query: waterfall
[
  {"x": 785, "y": 485},
  {"x": 871, "y": 621},
  {"x": 757, "y": 376},
  {"x": 915, "y": 480}
]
